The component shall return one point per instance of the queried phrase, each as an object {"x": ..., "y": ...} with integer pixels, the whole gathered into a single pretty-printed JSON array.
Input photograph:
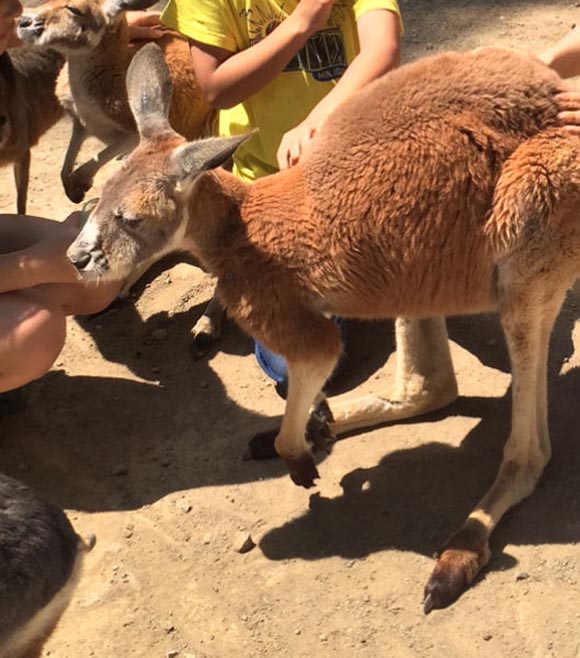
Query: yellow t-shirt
[{"x": 286, "y": 101}]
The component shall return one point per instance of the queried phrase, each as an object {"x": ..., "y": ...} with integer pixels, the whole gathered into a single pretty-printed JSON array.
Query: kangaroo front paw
[
  {"x": 303, "y": 471},
  {"x": 457, "y": 566},
  {"x": 76, "y": 187}
]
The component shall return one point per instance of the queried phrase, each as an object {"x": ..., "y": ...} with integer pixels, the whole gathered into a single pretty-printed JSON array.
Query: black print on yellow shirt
[{"x": 323, "y": 55}]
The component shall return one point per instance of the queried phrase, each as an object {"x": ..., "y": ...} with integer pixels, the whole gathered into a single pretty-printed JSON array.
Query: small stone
[
  {"x": 172, "y": 654},
  {"x": 243, "y": 542},
  {"x": 487, "y": 637},
  {"x": 159, "y": 334},
  {"x": 322, "y": 637},
  {"x": 185, "y": 508},
  {"x": 244, "y": 617},
  {"x": 297, "y": 631},
  {"x": 168, "y": 627},
  {"x": 119, "y": 470},
  {"x": 207, "y": 538},
  {"x": 522, "y": 576}
]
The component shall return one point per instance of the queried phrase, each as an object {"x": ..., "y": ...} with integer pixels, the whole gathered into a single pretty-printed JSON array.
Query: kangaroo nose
[
  {"x": 25, "y": 21},
  {"x": 80, "y": 259}
]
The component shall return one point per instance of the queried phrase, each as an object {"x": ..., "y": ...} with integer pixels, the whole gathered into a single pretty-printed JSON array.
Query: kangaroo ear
[
  {"x": 112, "y": 8},
  {"x": 149, "y": 88},
  {"x": 195, "y": 157}
]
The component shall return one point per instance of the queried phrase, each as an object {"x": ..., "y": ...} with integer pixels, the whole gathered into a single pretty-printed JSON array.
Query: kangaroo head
[
  {"x": 73, "y": 26},
  {"x": 142, "y": 210}
]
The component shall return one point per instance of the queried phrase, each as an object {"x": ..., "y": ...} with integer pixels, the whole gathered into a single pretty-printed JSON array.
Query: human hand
[
  {"x": 145, "y": 25},
  {"x": 313, "y": 14},
  {"x": 295, "y": 143},
  {"x": 569, "y": 109},
  {"x": 47, "y": 260}
]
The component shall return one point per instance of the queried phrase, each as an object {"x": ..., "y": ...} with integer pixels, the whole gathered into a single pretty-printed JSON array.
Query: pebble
[
  {"x": 185, "y": 508},
  {"x": 487, "y": 637},
  {"x": 207, "y": 538},
  {"x": 172, "y": 653},
  {"x": 243, "y": 542},
  {"x": 522, "y": 576}
]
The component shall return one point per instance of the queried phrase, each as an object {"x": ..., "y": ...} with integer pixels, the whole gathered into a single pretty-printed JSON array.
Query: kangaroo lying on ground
[
  {"x": 28, "y": 108},
  {"x": 443, "y": 188},
  {"x": 40, "y": 563}
]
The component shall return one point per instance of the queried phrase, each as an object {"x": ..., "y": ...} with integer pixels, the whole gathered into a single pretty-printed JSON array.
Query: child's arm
[
  {"x": 228, "y": 79},
  {"x": 33, "y": 251},
  {"x": 379, "y": 37}
]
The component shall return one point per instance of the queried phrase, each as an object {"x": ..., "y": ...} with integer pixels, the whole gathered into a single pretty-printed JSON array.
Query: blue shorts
[{"x": 275, "y": 366}]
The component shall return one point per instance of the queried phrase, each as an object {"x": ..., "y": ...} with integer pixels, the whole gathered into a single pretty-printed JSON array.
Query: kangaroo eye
[{"x": 75, "y": 11}]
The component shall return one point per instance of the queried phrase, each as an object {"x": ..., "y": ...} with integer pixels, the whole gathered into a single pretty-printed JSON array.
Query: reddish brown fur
[
  {"x": 425, "y": 242},
  {"x": 314, "y": 236},
  {"x": 103, "y": 71}
]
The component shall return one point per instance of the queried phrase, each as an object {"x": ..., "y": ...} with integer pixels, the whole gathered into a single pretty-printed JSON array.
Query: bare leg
[
  {"x": 527, "y": 323},
  {"x": 32, "y": 333},
  {"x": 21, "y": 177},
  {"x": 81, "y": 179},
  {"x": 425, "y": 380}
]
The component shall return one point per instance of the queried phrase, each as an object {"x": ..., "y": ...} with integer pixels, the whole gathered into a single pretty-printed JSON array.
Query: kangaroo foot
[
  {"x": 201, "y": 344},
  {"x": 457, "y": 566},
  {"x": 204, "y": 335}
]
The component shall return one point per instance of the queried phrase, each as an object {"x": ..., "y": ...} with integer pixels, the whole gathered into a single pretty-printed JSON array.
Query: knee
[{"x": 34, "y": 334}]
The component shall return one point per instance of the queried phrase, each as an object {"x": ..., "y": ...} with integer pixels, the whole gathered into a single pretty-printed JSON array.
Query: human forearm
[
  {"x": 229, "y": 78},
  {"x": 33, "y": 251},
  {"x": 19, "y": 270},
  {"x": 379, "y": 38},
  {"x": 564, "y": 56},
  {"x": 247, "y": 72},
  {"x": 364, "y": 69}
]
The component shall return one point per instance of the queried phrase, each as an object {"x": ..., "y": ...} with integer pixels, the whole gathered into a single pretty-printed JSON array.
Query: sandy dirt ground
[{"x": 143, "y": 446}]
